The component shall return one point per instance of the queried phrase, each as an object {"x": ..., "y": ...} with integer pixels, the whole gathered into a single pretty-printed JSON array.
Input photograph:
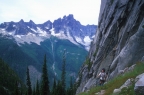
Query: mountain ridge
[{"x": 63, "y": 28}]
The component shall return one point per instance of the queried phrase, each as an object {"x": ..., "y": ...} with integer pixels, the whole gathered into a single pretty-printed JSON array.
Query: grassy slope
[{"x": 118, "y": 81}]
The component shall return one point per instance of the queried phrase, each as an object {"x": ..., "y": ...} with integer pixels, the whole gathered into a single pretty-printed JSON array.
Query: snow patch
[
  {"x": 41, "y": 32},
  {"x": 56, "y": 34},
  {"x": 33, "y": 30},
  {"x": 11, "y": 33},
  {"x": 19, "y": 36},
  {"x": 70, "y": 38},
  {"x": 4, "y": 32},
  {"x": 40, "y": 35},
  {"x": 93, "y": 36},
  {"x": 87, "y": 40},
  {"x": 62, "y": 35},
  {"x": 28, "y": 38},
  {"x": 79, "y": 40},
  {"x": 47, "y": 27}
]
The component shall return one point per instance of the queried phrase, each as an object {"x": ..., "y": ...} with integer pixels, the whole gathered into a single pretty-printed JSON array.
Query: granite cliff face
[{"x": 119, "y": 41}]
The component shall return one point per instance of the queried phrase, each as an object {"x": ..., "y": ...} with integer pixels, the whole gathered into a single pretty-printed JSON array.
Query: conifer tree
[
  {"x": 63, "y": 75},
  {"x": 37, "y": 88},
  {"x": 26, "y": 93},
  {"x": 54, "y": 90},
  {"x": 59, "y": 88},
  {"x": 34, "y": 91},
  {"x": 71, "y": 87},
  {"x": 16, "y": 92},
  {"x": 29, "y": 89},
  {"x": 45, "y": 82}
]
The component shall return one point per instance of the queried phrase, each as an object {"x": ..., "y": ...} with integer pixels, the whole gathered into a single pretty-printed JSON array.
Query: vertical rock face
[{"x": 119, "y": 41}]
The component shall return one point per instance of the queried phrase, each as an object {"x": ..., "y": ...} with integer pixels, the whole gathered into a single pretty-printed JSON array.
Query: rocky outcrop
[
  {"x": 118, "y": 42},
  {"x": 125, "y": 85},
  {"x": 138, "y": 88},
  {"x": 139, "y": 85}
]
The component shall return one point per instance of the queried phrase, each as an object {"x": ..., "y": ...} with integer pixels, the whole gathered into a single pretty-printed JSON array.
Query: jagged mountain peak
[
  {"x": 21, "y": 21},
  {"x": 47, "y": 25},
  {"x": 47, "y": 22},
  {"x": 70, "y": 16},
  {"x": 67, "y": 20},
  {"x": 31, "y": 22},
  {"x": 63, "y": 28}
]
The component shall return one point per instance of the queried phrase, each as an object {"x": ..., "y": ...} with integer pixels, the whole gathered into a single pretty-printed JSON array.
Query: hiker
[{"x": 102, "y": 75}]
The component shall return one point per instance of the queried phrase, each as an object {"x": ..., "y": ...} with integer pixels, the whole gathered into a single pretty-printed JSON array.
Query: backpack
[{"x": 102, "y": 76}]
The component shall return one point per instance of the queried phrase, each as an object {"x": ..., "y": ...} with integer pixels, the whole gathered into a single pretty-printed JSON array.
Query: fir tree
[
  {"x": 16, "y": 91},
  {"x": 63, "y": 75},
  {"x": 45, "y": 82},
  {"x": 29, "y": 89},
  {"x": 59, "y": 88},
  {"x": 34, "y": 91},
  {"x": 37, "y": 88},
  {"x": 71, "y": 87},
  {"x": 70, "y": 90},
  {"x": 26, "y": 93},
  {"x": 54, "y": 90}
]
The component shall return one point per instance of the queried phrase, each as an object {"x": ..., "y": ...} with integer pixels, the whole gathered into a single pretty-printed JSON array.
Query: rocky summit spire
[{"x": 21, "y": 21}]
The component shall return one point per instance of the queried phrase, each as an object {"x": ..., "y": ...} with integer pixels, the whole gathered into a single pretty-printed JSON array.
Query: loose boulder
[{"x": 139, "y": 85}]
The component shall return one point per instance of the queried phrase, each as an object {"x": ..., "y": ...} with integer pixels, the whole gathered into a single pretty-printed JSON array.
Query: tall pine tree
[
  {"x": 29, "y": 89},
  {"x": 45, "y": 82},
  {"x": 16, "y": 91},
  {"x": 59, "y": 88},
  {"x": 37, "y": 88},
  {"x": 63, "y": 75},
  {"x": 70, "y": 89},
  {"x": 54, "y": 90},
  {"x": 34, "y": 92}
]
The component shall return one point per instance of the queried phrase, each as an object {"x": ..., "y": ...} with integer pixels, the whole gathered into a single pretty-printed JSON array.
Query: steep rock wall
[{"x": 119, "y": 41}]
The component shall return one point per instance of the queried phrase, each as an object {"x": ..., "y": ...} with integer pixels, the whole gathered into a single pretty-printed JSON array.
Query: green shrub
[
  {"x": 95, "y": 52},
  {"x": 88, "y": 63}
]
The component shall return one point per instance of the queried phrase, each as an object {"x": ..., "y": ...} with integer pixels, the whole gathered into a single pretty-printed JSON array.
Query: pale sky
[{"x": 40, "y": 11}]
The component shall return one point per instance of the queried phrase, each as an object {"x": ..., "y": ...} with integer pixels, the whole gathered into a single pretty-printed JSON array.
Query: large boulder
[
  {"x": 139, "y": 85},
  {"x": 125, "y": 85}
]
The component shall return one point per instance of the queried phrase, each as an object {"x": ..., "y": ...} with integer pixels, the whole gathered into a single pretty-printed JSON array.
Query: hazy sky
[{"x": 85, "y": 11}]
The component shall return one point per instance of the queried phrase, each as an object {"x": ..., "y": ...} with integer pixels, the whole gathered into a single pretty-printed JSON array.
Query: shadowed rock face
[{"x": 119, "y": 41}]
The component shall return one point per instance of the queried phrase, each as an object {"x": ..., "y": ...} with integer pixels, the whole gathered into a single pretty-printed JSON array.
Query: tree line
[{"x": 42, "y": 87}]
